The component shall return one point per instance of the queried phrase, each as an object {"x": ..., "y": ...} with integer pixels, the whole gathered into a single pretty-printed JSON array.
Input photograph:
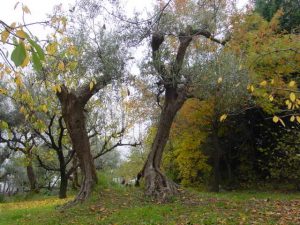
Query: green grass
[{"x": 112, "y": 204}]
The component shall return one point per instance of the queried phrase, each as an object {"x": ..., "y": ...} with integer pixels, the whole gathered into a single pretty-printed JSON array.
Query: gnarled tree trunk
[
  {"x": 73, "y": 114},
  {"x": 157, "y": 184}
]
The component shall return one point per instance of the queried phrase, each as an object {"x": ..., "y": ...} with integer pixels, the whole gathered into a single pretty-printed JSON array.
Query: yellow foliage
[
  {"x": 4, "y": 36},
  {"x": 292, "y": 83},
  {"x": 61, "y": 66},
  {"x": 186, "y": 139},
  {"x": 263, "y": 83},
  {"x": 223, "y": 117},
  {"x": 91, "y": 85},
  {"x": 51, "y": 48},
  {"x": 292, "y": 96},
  {"x": 26, "y": 61},
  {"x": 275, "y": 119},
  {"x": 21, "y": 34}
]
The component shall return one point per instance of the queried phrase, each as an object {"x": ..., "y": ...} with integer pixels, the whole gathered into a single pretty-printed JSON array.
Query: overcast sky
[{"x": 39, "y": 8}]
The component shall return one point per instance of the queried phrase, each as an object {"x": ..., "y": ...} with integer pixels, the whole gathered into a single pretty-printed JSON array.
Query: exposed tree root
[
  {"x": 84, "y": 194},
  {"x": 159, "y": 186}
]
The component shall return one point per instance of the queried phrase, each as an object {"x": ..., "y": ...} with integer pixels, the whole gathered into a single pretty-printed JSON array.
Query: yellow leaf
[
  {"x": 220, "y": 80},
  {"x": 26, "y": 61},
  {"x": 292, "y": 97},
  {"x": 281, "y": 121},
  {"x": 54, "y": 88},
  {"x": 298, "y": 119},
  {"x": 61, "y": 66},
  {"x": 91, "y": 85},
  {"x": 272, "y": 81},
  {"x": 292, "y": 83},
  {"x": 251, "y": 88},
  {"x": 223, "y": 117},
  {"x": 263, "y": 83},
  {"x": 18, "y": 80},
  {"x": 21, "y": 34},
  {"x": 58, "y": 88},
  {"x": 292, "y": 119},
  {"x": 4, "y": 36},
  {"x": 44, "y": 108},
  {"x": 51, "y": 48},
  {"x": 26, "y": 9},
  {"x": 22, "y": 109},
  {"x": 3, "y": 91},
  {"x": 275, "y": 119},
  {"x": 271, "y": 98}
]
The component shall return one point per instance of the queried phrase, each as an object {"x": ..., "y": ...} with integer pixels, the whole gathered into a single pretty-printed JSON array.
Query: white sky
[{"x": 39, "y": 8}]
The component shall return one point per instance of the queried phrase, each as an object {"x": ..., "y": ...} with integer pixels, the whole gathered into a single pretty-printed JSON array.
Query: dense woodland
[{"x": 191, "y": 94}]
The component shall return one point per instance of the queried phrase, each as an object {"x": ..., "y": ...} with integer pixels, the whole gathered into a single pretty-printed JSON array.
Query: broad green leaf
[
  {"x": 36, "y": 61},
  {"x": 38, "y": 49},
  {"x": 19, "y": 54}
]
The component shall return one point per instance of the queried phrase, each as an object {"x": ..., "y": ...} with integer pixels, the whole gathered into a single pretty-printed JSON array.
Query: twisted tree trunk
[
  {"x": 157, "y": 184},
  {"x": 73, "y": 114}
]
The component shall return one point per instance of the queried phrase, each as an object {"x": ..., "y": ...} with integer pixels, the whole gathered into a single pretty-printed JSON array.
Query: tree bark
[
  {"x": 75, "y": 177},
  {"x": 157, "y": 184},
  {"x": 31, "y": 178},
  {"x": 73, "y": 114},
  {"x": 63, "y": 175},
  {"x": 216, "y": 163},
  {"x": 63, "y": 186}
]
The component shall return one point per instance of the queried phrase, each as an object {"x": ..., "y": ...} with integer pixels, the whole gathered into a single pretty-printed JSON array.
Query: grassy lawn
[{"x": 119, "y": 205}]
